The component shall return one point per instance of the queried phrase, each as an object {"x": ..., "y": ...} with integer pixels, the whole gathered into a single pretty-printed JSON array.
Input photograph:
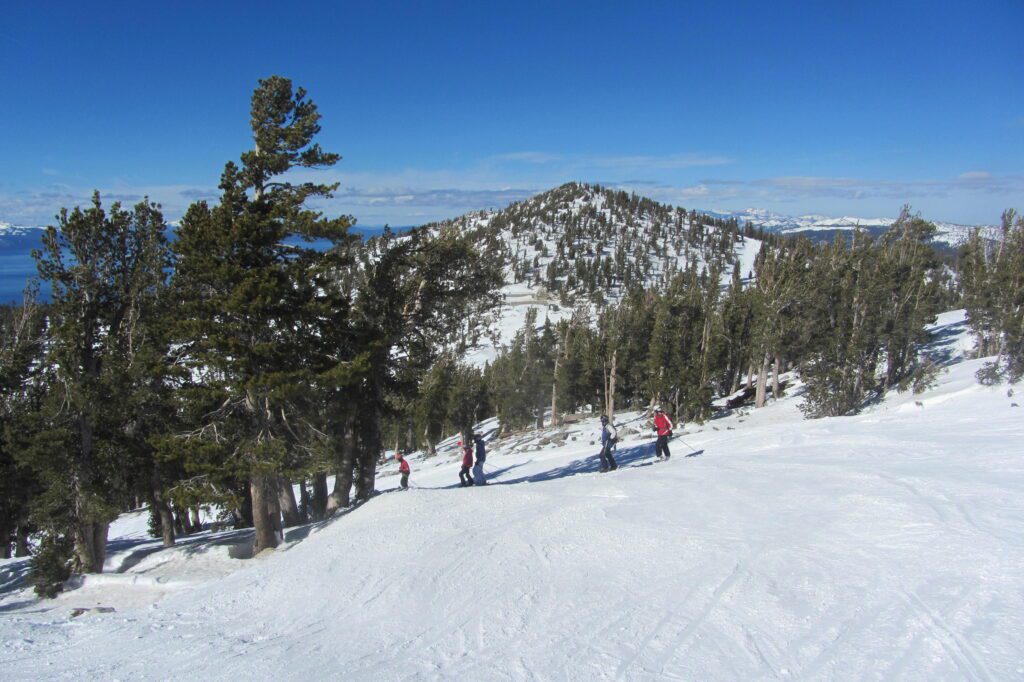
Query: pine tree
[
  {"x": 106, "y": 270},
  {"x": 22, "y": 330},
  {"x": 254, "y": 308}
]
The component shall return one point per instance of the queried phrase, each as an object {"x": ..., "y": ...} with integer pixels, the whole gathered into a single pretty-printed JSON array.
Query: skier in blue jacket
[
  {"x": 481, "y": 456},
  {"x": 609, "y": 434}
]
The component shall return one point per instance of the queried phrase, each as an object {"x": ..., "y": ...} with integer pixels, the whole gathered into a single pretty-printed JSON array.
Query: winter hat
[
  {"x": 604, "y": 418},
  {"x": 657, "y": 408}
]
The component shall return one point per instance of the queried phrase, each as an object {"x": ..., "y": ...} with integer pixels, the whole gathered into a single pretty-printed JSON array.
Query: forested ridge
[{"x": 221, "y": 367}]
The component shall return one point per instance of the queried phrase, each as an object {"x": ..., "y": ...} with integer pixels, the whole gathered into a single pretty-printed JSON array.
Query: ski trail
[
  {"x": 966, "y": 651},
  {"x": 687, "y": 633},
  {"x": 624, "y": 666},
  {"x": 851, "y": 628}
]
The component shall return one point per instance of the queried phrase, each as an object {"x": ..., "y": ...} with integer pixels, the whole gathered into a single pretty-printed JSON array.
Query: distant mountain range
[
  {"x": 819, "y": 228},
  {"x": 815, "y": 227},
  {"x": 557, "y": 239}
]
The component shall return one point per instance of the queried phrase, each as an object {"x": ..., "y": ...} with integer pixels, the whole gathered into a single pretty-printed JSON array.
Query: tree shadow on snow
[
  {"x": 626, "y": 457},
  {"x": 491, "y": 475},
  {"x": 12, "y": 576},
  {"x": 942, "y": 348}
]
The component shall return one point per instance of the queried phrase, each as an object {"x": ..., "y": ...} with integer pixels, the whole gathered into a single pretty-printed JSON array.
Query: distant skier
[
  {"x": 467, "y": 464},
  {"x": 481, "y": 456},
  {"x": 403, "y": 468},
  {"x": 609, "y": 434},
  {"x": 663, "y": 425}
]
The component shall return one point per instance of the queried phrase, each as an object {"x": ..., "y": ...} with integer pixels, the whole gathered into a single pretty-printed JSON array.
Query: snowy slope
[{"x": 884, "y": 546}]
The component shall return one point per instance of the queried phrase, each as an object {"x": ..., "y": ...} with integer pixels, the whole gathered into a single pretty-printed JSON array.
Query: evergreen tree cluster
[
  {"x": 992, "y": 282},
  {"x": 849, "y": 315},
  {"x": 223, "y": 366}
]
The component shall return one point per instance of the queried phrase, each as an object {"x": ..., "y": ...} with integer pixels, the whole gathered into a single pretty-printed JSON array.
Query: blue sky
[{"x": 443, "y": 107}]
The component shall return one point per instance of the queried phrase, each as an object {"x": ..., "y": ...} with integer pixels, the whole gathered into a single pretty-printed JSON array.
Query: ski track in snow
[{"x": 884, "y": 546}]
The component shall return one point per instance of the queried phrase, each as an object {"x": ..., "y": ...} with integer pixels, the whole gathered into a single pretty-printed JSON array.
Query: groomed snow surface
[{"x": 889, "y": 545}]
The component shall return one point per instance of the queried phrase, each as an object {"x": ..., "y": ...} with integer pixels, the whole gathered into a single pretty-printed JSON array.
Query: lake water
[
  {"x": 17, "y": 265},
  {"x": 16, "y": 268}
]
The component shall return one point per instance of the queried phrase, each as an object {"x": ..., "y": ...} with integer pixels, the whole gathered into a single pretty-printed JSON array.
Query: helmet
[{"x": 657, "y": 408}]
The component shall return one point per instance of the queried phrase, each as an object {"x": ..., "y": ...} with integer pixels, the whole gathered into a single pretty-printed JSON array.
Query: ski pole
[{"x": 692, "y": 449}]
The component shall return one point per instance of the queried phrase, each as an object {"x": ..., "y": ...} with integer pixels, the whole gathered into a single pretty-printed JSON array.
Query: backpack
[{"x": 613, "y": 433}]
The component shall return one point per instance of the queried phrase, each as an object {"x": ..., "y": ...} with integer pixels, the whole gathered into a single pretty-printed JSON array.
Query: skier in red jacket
[
  {"x": 403, "y": 468},
  {"x": 467, "y": 463},
  {"x": 663, "y": 425}
]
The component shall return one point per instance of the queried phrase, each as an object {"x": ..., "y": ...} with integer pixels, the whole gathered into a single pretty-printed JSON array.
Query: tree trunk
[
  {"x": 554, "y": 398},
  {"x": 21, "y": 547},
  {"x": 197, "y": 524},
  {"x": 304, "y": 502},
  {"x": 776, "y": 389},
  {"x": 286, "y": 500},
  {"x": 319, "y": 495},
  {"x": 611, "y": 386},
  {"x": 410, "y": 436},
  {"x": 750, "y": 376},
  {"x": 91, "y": 546},
  {"x": 184, "y": 520},
  {"x": 163, "y": 511},
  {"x": 244, "y": 514},
  {"x": 5, "y": 538},
  {"x": 341, "y": 496},
  {"x": 762, "y": 383},
  {"x": 368, "y": 447},
  {"x": 266, "y": 515}
]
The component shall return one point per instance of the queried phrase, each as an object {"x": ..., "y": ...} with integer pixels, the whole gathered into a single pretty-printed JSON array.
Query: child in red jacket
[
  {"x": 467, "y": 464},
  {"x": 403, "y": 468},
  {"x": 663, "y": 425}
]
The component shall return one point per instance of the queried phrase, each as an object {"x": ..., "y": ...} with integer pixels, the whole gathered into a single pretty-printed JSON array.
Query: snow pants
[
  {"x": 464, "y": 477},
  {"x": 661, "y": 448},
  {"x": 607, "y": 460},
  {"x": 478, "y": 474},
  {"x": 405, "y": 480}
]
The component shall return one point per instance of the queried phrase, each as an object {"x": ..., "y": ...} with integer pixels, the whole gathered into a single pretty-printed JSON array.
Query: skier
[
  {"x": 481, "y": 456},
  {"x": 663, "y": 425},
  {"x": 403, "y": 468},
  {"x": 467, "y": 463},
  {"x": 609, "y": 434}
]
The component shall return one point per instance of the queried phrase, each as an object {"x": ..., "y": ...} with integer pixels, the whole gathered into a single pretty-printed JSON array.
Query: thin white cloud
[
  {"x": 649, "y": 162},
  {"x": 414, "y": 196},
  {"x": 528, "y": 157},
  {"x": 666, "y": 162}
]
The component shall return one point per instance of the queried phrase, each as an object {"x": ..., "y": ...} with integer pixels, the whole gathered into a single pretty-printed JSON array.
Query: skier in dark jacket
[
  {"x": 467, "y": 463},
  {"x": 481, "y": 456},
  {"x": 403, "y": 468},
  {"x": 663, "y": 425},
  {"x": 609, "y": 434}
]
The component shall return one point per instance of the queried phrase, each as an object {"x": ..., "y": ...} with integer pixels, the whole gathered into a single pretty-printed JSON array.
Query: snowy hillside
[
  {"x": 889, "y": 545},
  {"x": 582, "y": 245},
  {"x": 825, "y": 227}
]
